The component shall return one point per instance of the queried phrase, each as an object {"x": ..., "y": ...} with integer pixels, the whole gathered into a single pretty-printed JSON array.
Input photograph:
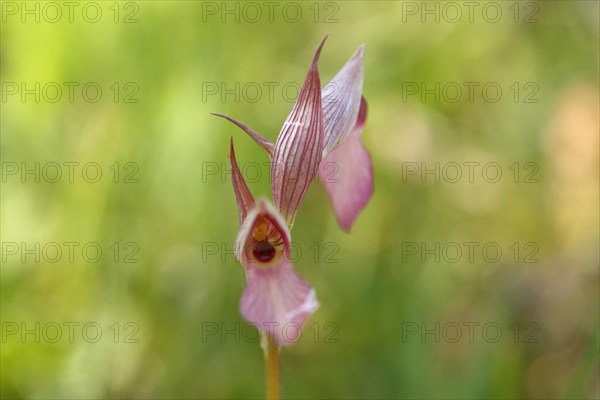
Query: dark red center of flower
[{"x": 263, "y": 251}]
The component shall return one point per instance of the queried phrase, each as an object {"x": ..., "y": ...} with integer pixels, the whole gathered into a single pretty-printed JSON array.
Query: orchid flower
[
  {"x": 276, "y": 299},
  {"x": 345, "y": 165}
]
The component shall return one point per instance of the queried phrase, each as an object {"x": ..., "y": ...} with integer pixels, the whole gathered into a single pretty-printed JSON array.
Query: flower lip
[
  {"x": 278, "y": 301},
  {"x": 263, "y": 241},
  {"x": 263, "y": 251},
  {"x": 264, "y": 238}
]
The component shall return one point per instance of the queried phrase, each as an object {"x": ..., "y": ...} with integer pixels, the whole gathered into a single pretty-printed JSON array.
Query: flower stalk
[{"x": 272, "y": 368}]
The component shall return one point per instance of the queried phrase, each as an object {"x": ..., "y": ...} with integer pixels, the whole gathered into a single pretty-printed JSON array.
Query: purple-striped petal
[
  {"x": 347, "y": 173},
  {"x": 243, "y": 196},
  {"x": 260, "y": 140},
  {"x": 278, "y": 301},
  {"x": 341, "y": 101},
  {"x": 299, "y": 146}
]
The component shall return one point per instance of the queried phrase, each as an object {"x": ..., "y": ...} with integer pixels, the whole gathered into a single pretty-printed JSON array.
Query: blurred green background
[{"x": 393, "y": 323}]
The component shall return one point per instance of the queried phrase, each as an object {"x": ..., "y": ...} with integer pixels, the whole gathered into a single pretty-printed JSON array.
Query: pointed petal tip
[
  {"x": 266, "y": 145},
  {"x": 315, "y": 59},
  {"x": 220, "y": 115},
  {"x": 224, "y": 117},
  {"x": 346, "y": 225},
  {"x": 299, "y": 146},
  {"x": 360, "y": 52},
  {"x": 262, "y": 204},
  {"x": 342, "y": 98},
  {"x": 323, "y": 41}
]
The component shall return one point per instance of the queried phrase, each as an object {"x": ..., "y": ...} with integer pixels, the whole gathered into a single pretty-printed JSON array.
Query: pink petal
[
  {"x": 347, "y": 173},
  {"x": 261, "y": 141},
  {"x": 299, "y": 146},
  {"x": 277, "y": 301},
  {"x": 243, "y": 196},
  {"x": 341, "y": 101}
]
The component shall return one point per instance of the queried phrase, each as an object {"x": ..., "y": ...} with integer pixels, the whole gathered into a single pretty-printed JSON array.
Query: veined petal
[
  {"x": 347, "y": 173},
  {"x": 299, "y": 146},
  {"x": 264, "y": 237},
  {"x": 278, "y": 301},
  {"x": 243, "y": 196},
  {"x": 261, "y": 141},
  {"x": 341, "y": 101}
]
